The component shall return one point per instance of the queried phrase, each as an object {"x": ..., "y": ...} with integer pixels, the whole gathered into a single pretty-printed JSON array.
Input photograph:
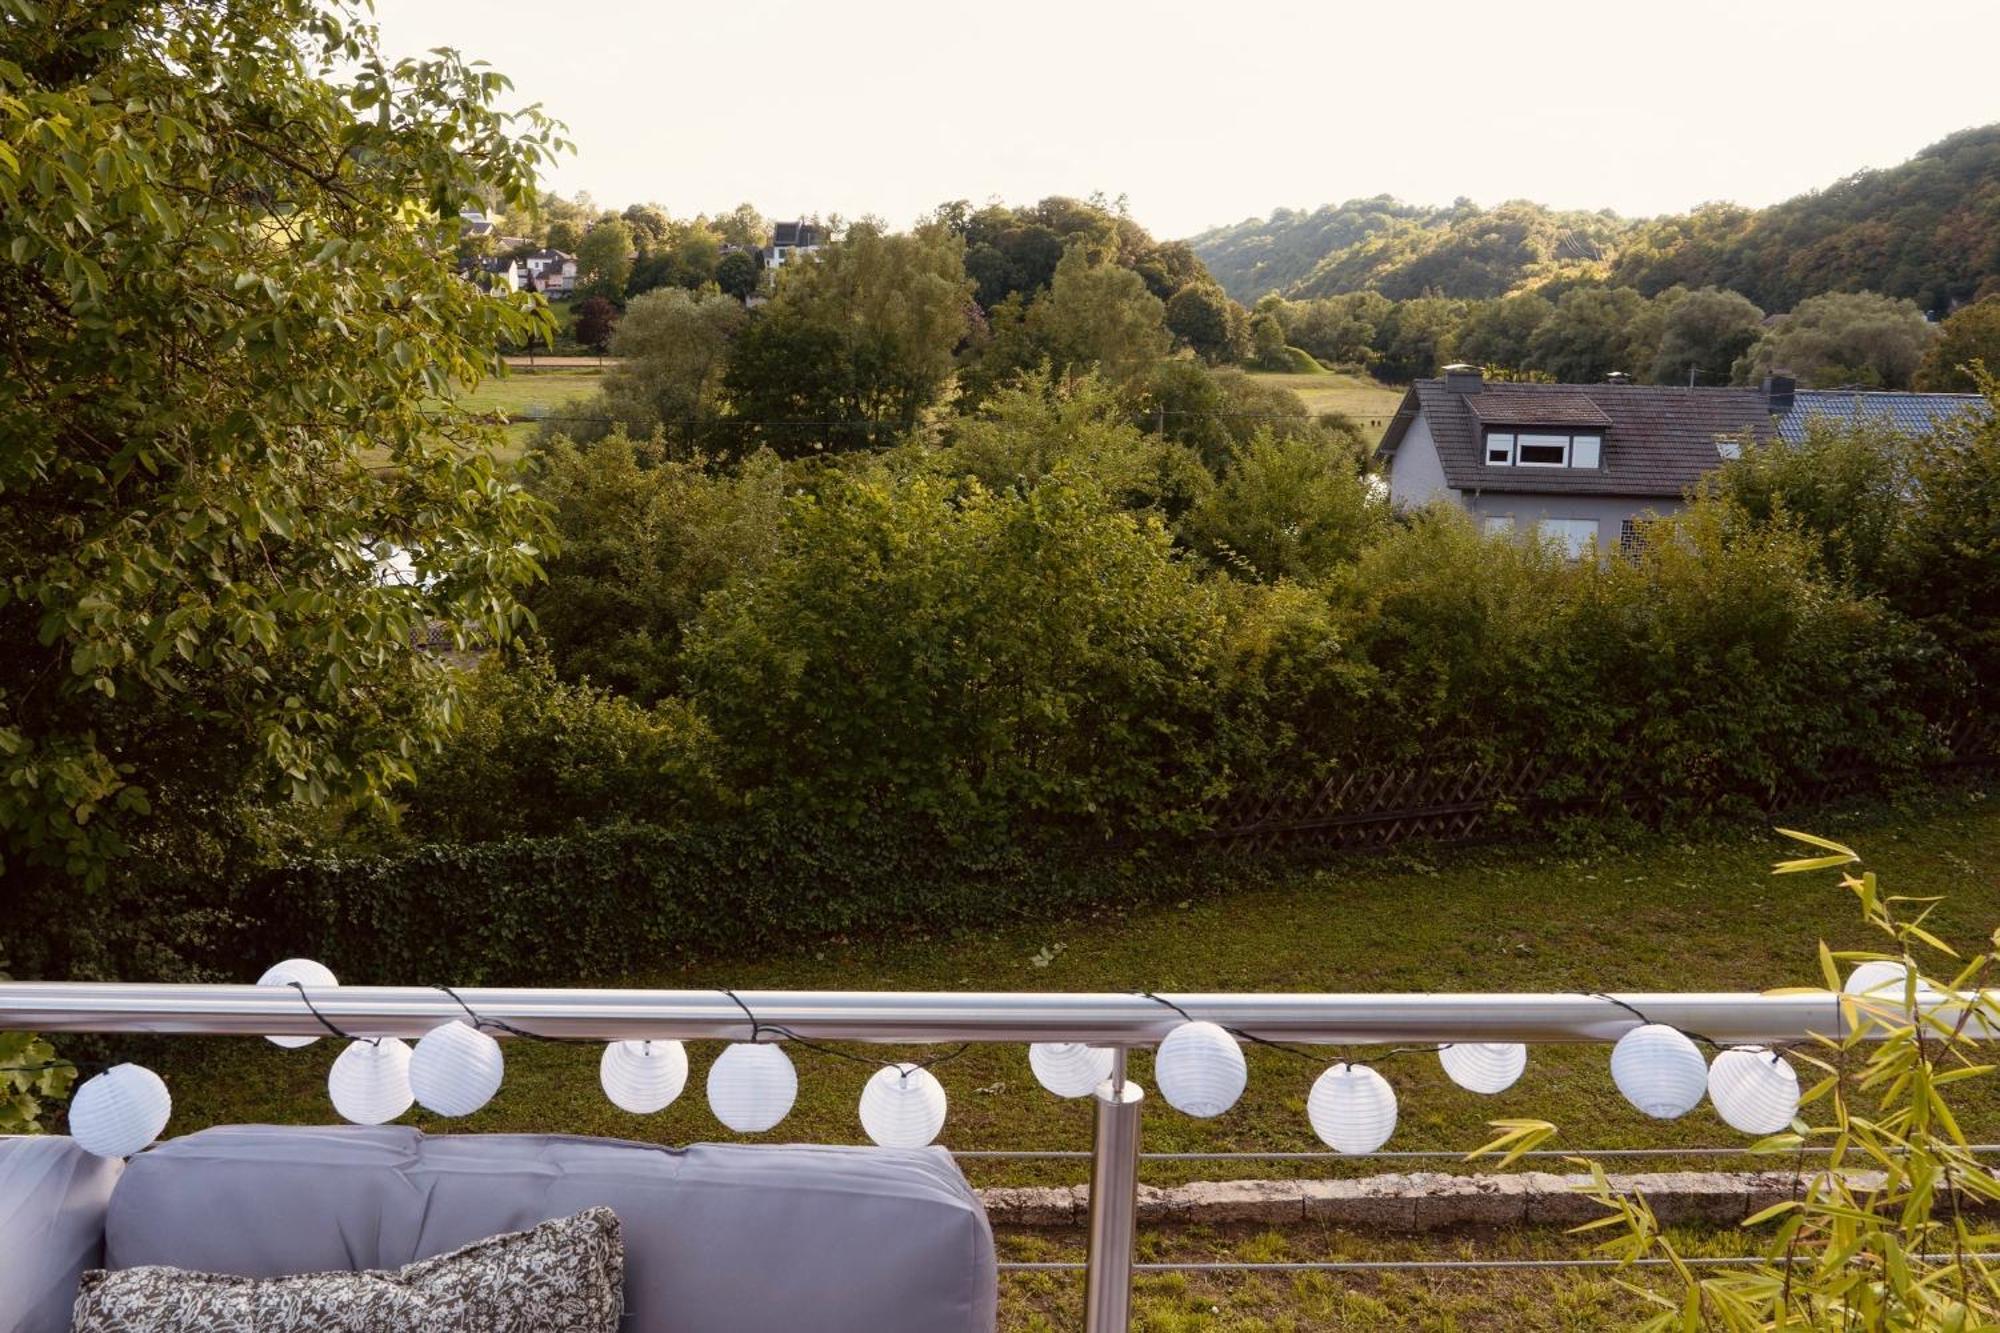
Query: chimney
[
  {"x": 1462, "y": 378},
  {"x": 1618, "y": 377},
  {"x": 1778, "y": 390}
]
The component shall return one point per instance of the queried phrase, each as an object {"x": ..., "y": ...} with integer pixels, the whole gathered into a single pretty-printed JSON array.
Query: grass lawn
[
  {"x": 1370, "y": 402},
  {"x": 531, "y": 393},
  {"x": 1466, "y": 1301},
  {"x": 1666, "y": 917}
]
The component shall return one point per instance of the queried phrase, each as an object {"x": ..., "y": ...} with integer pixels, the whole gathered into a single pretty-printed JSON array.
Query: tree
[
  {"x": 1098, "y": 316},
  {"x": 672, "y": 346},
  {"x": 240, "y": 486},
  {"x": 855, "y": 347},
  {"x": 651, "y": 227},
  {"x": 742, "y": 226},
  {"x": 1589, "y": 335},
  {"x": 1268, "y": 349},
  {"x": 604, "y": 258},
  {"x": 595, "y": 319},
  {"x": 1201, "y": 316},
  {"x": 1412, "y": 336},
  {"x": 1703, "y": 334},
  {"x": 1968, "y": 340},
  {"x": 738, "y": 274},
  {"x": 565, "y": 235},
  {"x": 1499, "y": 333},
  {"x": 1288, "y": 508},
  {"x": 1844, "y": 338}
]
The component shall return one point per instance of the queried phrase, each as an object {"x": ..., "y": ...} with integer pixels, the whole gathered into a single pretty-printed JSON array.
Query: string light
[
  {"x": 1658, "y": 1070},
  {"x": 902, "y": 1106},
  {"x": 456, "y": 1069},
  {"x": 1200, "y": 1069},
  {"x": 1352, "y": 1108},
  {"x": 120, "y": 1111},
  {"x": 370, "y": 1081},
  {"x": 1483, "y": 1067},
  {"x": 643, "y": 1076},
  {"x": 751, "y": 1086},
  {"x": 1754, "y": 1089},
  {"x": 300, "y": 972},
  {"x": 1068, "y": 1068}
]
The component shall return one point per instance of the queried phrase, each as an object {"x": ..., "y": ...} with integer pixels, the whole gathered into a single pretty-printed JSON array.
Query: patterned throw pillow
[{"x": 565, "y": 1276}]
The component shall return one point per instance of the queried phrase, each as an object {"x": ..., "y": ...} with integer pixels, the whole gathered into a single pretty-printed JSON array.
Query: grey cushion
[
  {"x": 565, "y": 1276},
  {"x": 53, "y": 1197},
  {"x": 718, "y": 1238}
]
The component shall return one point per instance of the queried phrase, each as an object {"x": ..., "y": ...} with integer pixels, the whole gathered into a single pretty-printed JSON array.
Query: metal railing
[{"x": 1119, "y": 1021}]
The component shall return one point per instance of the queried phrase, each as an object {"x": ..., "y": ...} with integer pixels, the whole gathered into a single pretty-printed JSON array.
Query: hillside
[{"x": 1928, "y": 230}]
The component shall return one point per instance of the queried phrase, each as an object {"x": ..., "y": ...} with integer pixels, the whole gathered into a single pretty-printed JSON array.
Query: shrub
[
  {"x": 535, "y": 755},
  {"x": 919, "y": 646},
  {"x": 616, "y": 903},
  {"x": 643, "y": 539},
  {"x": 1287, "y": 508}
]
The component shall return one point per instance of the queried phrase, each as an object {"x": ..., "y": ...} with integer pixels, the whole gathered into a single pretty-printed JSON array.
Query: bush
[
  {"x": 617, "y": 903},
  {"x": 942, "y": 649},
  {"x": 534, "y": 755}
]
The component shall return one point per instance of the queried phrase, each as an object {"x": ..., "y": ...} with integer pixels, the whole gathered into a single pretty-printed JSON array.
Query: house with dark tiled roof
[
  {"x": 791, "y": 239},
  {"x": 1578, "y": 463},
  {"x": 1911, "y": 413}
]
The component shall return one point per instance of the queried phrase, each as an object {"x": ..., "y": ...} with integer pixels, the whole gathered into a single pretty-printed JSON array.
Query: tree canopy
[{"x": 236, "y": 490}]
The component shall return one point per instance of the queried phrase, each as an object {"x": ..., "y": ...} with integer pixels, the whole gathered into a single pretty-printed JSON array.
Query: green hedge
[{"x": 613, "y": 903}]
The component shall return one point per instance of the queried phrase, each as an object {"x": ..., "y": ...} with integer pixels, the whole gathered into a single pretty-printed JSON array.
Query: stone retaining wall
[{"x": 1417, "y": 1201}]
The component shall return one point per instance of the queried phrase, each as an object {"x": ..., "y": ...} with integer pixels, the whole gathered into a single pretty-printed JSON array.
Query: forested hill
[{"x": 1928, "y": 230}]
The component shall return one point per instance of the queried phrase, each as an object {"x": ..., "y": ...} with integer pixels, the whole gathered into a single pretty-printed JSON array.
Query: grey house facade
[{"x": 1578, "y": 463}]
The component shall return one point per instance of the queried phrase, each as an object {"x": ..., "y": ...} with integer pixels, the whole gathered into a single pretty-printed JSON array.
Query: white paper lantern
[
  {"x": 307, "y": 973},
  {"x": 1659, "y": 1071},
  {"x": 643, "y": 1076},
  {"x": 1069, "y": 1068},
  {"x": 902, "y": 1106},
  {"x": 751, "y": 1086},
  {"x": 1352, "y": 1108},
  {"x": 1886, "y": 981},
  {"x": 120, "y": 1111},
  {"x": 1200, "y": 1069},
  {"x": 1754, "y": 1089},
  {"x": 455, "y": 1069},
  {"x": 1484, "y": 1067},
  {"x": 370, "y": 1081}
]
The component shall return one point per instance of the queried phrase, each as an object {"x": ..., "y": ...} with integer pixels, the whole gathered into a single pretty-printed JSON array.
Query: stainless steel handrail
[
  {"x": 1099, "y": 1018},
  {"x": 1117, "y": 1020}
]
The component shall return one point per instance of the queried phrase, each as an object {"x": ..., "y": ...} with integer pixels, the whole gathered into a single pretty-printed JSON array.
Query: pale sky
[{"x": 1212, "y": 112}]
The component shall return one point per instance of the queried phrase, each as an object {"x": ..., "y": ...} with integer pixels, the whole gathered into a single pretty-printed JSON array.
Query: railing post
[{"x": 1114, "y": 1203}]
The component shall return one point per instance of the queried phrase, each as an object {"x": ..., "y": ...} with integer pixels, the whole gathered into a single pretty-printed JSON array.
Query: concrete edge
[{"x": 1419, "y": 1200}]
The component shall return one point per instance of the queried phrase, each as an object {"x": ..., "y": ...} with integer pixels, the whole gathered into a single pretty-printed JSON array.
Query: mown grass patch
[
  {"x": 1369, "y": 402},
  {"x": 1669, "y": 917}
]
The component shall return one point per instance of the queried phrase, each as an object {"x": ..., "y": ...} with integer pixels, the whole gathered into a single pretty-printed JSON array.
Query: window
[
  {"x": 1631, "y": 539},
  {"x": 1726, "y": 449},
  {"x": 1497, "y": 525},
  {"x": 1544, "y": 449},
  {"x": 1574, "y": 535}
]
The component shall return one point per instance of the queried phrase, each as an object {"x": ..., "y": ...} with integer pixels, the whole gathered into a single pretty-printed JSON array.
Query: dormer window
[{"x": 1543, "y": 448}]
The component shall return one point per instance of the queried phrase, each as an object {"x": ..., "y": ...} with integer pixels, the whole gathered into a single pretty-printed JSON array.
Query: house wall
[
  {"x": 1415, "y": 475},
  {"x": 1608, "y": 511}
]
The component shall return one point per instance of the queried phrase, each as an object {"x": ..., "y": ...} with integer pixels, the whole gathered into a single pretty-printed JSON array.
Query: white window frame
[
  {"x": 1497, "y": 525},
  {"x": 1575, "y": 535},
  {"x": 1525, "y": 441},
  {"x": 1575, "y": 445}
]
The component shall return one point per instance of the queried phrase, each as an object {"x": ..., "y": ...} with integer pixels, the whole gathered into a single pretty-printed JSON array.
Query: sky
[{"x": 1204, "y": 114}]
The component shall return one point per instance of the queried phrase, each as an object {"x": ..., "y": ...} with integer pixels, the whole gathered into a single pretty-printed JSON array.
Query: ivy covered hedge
[{"x": 612, "y": 903}]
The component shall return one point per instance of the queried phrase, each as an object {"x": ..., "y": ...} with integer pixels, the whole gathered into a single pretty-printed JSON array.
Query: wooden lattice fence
[{"x": 1472, "y": 800}]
